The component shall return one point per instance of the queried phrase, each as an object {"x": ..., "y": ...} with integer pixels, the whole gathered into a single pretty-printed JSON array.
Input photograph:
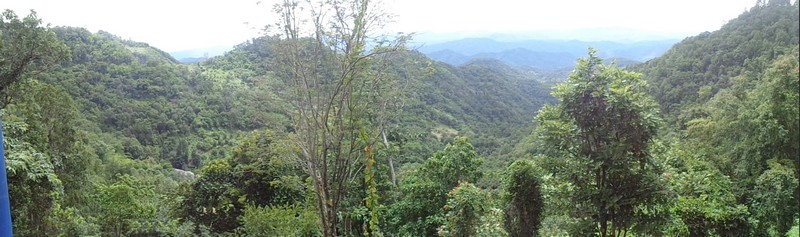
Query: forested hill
[
  {"x": 129, "y": 102},
  {"x": 730, "y": 99},
  {"x": 698, "y": 67},
  {"x": 153, "y": 107},
  {"x": 186, "y": 114},
  {"x": 485, "y": 100}
]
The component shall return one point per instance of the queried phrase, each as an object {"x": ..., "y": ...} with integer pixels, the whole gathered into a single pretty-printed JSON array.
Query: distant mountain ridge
[
  {"x": 200, "y": 54},
  {"x": 543, "y": 55}
]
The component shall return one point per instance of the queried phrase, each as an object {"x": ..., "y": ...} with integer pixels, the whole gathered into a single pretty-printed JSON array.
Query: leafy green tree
[
  {"x": 258, "y": 174},
  {"x": 457, "y": 162},
  {"x": 125, "y": 208},
  {"x": 424, "y": 192},
  {"x": 776, "y": 103},
  {"x": 705, "y": 204},
  {"x": 774, "y": 204},
  {"x": 795, "y": 230},
  {"x": 213, "y": 200},
  {"x": 265, "y": 170},
  {"x": 524, "y": 199},
  {"x": 597, "y": 139},
  {"x": 463, "y": 211},
  {"x": 26, "y": 46},
  {"x": 34, "y": 187}
]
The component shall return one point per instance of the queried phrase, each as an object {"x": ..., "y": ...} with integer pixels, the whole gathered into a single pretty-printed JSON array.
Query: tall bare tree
[{"x": 343, "y": 94}]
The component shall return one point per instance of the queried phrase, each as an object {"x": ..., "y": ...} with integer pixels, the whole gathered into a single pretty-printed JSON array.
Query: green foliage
[
  {"x": 258, "y": 174},
  {"x": 282, "y": 220},
  {"x": 424, "y": 192},
  {"x": 464, "y": 208},
  {"x": 372, "y": 227},
  {"x": 71, "y": 223},
  {"x": 26, "y": 46},
  {"x": 597, "y": 139},
  {"x": 491, "y": 225},
  {"x": 748, "y": 126},
  {"x": 213, "y": 200},
  {"x": 501, "y": 101},
  {"x": 706, "y": 204},
  {"x": 795, "y": 231},
  {"x": 524, "y": 199},
  {"x": 31, "y": 175},
  {"x": 125, "y": 207},
  {"x": 159, "y": 109},
  {"x": 265, "y": 169},
  {"x": 457, "y": 163},
  {"x": 773, "y": 191}
]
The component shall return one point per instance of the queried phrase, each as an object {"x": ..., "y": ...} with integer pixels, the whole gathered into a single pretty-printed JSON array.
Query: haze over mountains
[
  {"x": 543, "y": 55},
  {"x": 544, "y": 51}
]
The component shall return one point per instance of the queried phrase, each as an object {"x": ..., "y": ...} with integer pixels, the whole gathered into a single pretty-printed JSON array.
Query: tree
[
  {"x": 465, "y": 206},
  {"x": 597, "y": 139},
  {"x": 213, "y": 200},
  {"x": 31, "y": 174},
  {"x": 525, "y": 202},
  {"x": 424, "y": 192},
  {"x": 705, "y": 203},
  {"x": 775, "y": 204},
  {"x": 124, "y": 206},
  {"x": 26, "y": 45},
  {"x": 256, "y": 175},
  {"x": 342, "y": 96}
]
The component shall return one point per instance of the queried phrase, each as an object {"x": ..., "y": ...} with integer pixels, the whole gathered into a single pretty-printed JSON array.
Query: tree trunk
[
  {"x": 603, "y": 227},
  {"x": 391, "y": 161}
]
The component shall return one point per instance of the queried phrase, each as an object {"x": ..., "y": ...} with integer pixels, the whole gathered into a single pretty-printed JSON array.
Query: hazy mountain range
[
  {"x": 543, "y": 50},
  {"x": 542, "y": 55},
  {"x": 200, "y": 54}
]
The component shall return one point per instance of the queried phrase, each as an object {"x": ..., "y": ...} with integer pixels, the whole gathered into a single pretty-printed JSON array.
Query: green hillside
[{"x": 698, "y": 67}]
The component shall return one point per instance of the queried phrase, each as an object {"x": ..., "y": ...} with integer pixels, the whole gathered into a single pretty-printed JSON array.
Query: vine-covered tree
[
  {"x": 597, "y": 139},
  {"x": 524, "y": 198}
]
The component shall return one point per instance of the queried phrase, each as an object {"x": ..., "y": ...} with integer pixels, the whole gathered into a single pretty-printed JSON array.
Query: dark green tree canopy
[{"x": 597, "y": 139}]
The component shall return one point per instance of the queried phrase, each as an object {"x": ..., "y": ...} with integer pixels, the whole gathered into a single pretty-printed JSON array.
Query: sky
[{"x": 174, "y": 25}]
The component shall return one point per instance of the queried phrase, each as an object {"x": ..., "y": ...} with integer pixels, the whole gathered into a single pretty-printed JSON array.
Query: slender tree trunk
[
  {"x": 391, "y": 161},
  {"x": 603, "y": 209}
]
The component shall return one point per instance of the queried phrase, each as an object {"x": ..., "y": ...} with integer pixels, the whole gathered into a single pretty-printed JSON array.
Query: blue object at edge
[{"x": 5, "y": 205}]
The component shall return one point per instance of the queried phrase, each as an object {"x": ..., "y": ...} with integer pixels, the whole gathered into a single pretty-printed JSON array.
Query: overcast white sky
[{"x": 186, "y": 24}]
